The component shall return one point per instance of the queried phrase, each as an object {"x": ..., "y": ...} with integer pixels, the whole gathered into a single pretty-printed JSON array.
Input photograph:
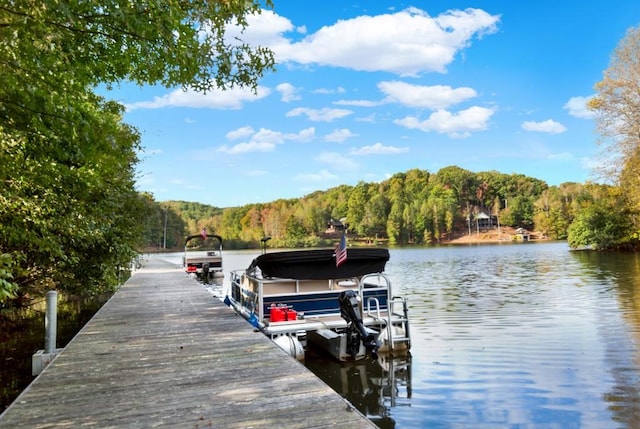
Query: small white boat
[
  {"x": 203, "y": 256},
  {"x": 303, "y": 298}
]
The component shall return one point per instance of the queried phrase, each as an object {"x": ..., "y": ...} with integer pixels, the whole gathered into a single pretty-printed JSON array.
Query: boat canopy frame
[{"x": 191, "y": 237}]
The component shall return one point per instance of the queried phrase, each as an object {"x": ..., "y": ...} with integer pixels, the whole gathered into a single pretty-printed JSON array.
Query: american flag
[{"x": 341, "y": 250}]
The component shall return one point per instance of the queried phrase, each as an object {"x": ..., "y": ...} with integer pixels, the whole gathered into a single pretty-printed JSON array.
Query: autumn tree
[{"x": 617, "y": 114}]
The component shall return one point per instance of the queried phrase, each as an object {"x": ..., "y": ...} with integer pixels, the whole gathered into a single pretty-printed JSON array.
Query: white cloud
[
  {"x": 232, "y": 98},
  {"x": 320, "y": 115},
  {"x": 267, "y": 135},
  {"x": 338, "y": 90},
  {"x": 372, "y": 118},
  {"x": 358, "y": 103},
  {"x": 303, "y": 136},
  {"x": 577, "y": 107},
  {"x": 264, "y": 29},
  {"x": 240, "y": 133},
  {"x": 430, "y": 97},
  {"x": 337, "y": 161},
  {"x": 408, "y": 43},
  {"x": 247, "y": 147},
  {"x": 548, "y": 126},
  {"x": 288, "y": 92},
  {"x": 457, "y": 125},
  {"x": 339, "y": 136},
  {"x": 263, "y": 140},
  {"x": 379, "y": 149}
]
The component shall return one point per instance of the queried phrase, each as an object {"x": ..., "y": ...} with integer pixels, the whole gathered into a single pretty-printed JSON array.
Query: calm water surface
[{"x": 505, "y": 336}]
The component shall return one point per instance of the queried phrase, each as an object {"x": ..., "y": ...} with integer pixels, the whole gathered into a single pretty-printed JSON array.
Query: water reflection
[
  {"x": 507, "y": 336},
  {"x": 22, "y": 333},
  {"x": 514, "y": 336},
  {"x": 503, "y": 336},
  {"x": 621, "y": 272},
  {"x": 373, "y": 386}
]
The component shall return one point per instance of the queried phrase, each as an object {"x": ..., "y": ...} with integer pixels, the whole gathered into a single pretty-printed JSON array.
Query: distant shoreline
[
  {"x": 495, "y": 235},
  {"x": 490, "y": 236}
]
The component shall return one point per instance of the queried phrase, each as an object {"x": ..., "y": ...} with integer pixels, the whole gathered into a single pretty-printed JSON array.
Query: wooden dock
[{"x": 163, "y": 352}]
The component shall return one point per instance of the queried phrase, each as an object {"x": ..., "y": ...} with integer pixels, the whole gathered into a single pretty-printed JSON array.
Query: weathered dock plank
[{"x": 162, "y": 352}]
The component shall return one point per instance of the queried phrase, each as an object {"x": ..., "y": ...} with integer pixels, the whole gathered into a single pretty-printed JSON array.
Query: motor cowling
[{"x": 356, "y": 331}]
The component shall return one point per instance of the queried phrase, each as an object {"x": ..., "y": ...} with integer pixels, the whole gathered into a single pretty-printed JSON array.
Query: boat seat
[
  {"x": 279, "y": 288},
  {"x": 313, "y": 286}
]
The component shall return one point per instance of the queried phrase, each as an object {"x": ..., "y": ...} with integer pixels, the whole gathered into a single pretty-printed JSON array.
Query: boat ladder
[{"x": 394, "y": 319}]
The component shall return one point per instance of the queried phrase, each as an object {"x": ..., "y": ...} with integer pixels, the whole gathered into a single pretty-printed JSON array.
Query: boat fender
[
  {"x": 291, "y": 345},
  {"x": 227, "y": 301}
]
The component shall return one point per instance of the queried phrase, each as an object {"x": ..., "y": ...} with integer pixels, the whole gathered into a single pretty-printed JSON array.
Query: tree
[
  {"x": 376, "y": 215},
  {"x": 600, "y": 223},
  {"x": 356, "y": 208},
  {"x": 617, "y": 115},
  {"x": 396, "y": 227},
  {"x": 69, "y": 212},
  {"x": 172, "y": 43},
  {"x": 69, "y": 215},
  {"x": 556, "y": 209}
]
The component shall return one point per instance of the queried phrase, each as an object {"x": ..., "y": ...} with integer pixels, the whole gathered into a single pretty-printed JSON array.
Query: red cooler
[
  {"x": 291, "y": 314},
  {"x": 277, "y": 314}
]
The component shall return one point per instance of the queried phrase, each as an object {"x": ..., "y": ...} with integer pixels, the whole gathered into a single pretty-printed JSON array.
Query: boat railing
[
  {"x": 376, "y": 308},
  {"x": 376, "y": 280}
]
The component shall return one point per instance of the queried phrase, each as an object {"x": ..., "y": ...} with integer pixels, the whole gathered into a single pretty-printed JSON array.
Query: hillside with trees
[{"x": 414, "y": 207}]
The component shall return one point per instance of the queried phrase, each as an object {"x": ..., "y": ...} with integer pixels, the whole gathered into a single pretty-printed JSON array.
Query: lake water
[
  {"x": 512, "y": 336},
  {"x": 526, "y": 335}
]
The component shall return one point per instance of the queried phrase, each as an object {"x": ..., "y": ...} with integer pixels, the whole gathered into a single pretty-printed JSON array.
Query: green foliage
[
  {"x": 89, "y": 43},
  {"x": 70, "y": 217},
  {"x": 415, "y": 207},
  {"x": 602, "y": 222},
  {"x": 7, "y": 287},
  {"x": 419, "y": 207}
]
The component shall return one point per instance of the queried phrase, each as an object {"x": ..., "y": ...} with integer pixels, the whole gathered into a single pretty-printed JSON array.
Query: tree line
[{"x": 414, "y": 207}]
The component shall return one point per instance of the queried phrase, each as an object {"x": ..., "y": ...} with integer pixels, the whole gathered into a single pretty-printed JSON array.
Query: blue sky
[{"x": 366, "y": 90}]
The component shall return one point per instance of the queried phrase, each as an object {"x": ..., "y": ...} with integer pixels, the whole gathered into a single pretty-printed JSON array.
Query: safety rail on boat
[{"x": 376, "y": 309}]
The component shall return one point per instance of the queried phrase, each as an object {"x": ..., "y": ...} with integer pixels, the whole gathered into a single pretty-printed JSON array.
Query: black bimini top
[{"x": 320, "y": 264}]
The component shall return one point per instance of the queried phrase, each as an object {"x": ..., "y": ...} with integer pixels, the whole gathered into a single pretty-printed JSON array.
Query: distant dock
[{"x": 164, "y": 353}]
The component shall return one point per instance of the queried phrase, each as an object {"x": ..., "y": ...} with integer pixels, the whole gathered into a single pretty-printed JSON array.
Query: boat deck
[{"x": 164, "y": 353}]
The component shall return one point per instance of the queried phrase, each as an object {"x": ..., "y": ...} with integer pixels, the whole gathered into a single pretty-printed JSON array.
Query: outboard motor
[
  {"x": 356, "y": 331},
  {"x": 205, "y": 272}
]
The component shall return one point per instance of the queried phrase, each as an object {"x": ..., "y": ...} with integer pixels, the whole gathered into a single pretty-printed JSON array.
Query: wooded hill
[{"x": 415, "y": 207}]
